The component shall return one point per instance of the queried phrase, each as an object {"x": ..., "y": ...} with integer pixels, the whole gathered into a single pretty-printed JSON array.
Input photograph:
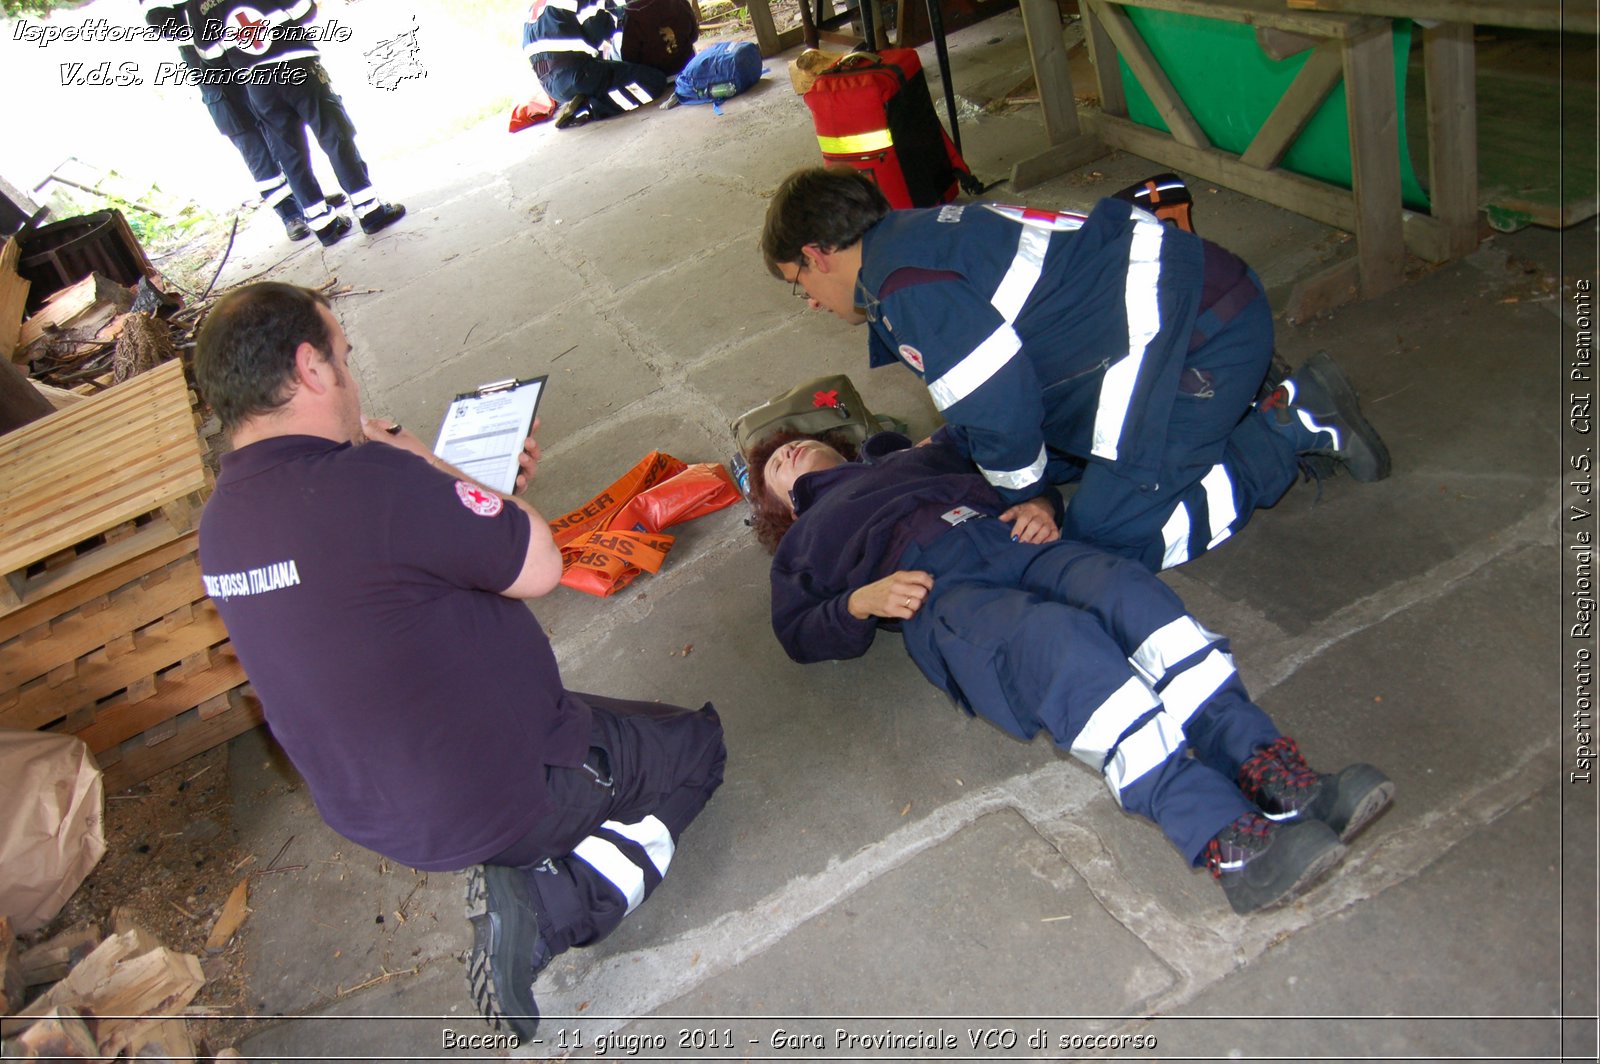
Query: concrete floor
[{"x": 876, "y": 861}]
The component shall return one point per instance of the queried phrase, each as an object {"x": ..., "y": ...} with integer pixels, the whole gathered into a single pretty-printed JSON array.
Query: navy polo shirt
[{"x": 360, "y": 587}]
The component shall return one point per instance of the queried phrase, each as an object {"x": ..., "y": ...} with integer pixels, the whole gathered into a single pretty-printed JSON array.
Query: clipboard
[{"x": 483, "y": 430}]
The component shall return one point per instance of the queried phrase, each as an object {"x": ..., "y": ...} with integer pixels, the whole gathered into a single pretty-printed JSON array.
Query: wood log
[
  {"x": 57, "y": 397},
  {"x": 84, "y": 308},
  {"x": 12, "y": 983},
  {"x": 94, "y": 970},
  {"x": 234, "y": 910},
  {"x": 50, "y": 961},
  {"x": 154, "y": 984},
  {"x": 167, "y": 1040},
  {"x": 59, "y": 1034}
]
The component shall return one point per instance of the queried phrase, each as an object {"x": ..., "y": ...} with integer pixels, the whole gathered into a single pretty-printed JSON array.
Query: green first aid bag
[{"x": 826, "y": 404}]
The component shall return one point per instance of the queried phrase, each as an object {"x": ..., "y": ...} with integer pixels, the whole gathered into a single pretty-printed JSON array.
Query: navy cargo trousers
[
  {"x": 1097, "y": 651},
  {"x": 651, "y": 768}
]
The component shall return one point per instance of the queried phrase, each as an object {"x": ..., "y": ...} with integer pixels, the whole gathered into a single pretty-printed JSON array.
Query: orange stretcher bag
[{"x": 618, "y": 534}]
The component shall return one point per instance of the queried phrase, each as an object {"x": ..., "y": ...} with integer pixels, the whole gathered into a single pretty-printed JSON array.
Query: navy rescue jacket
[
  {"x": 573, "y": 29},
  {"x": 853, "y": 523},
  {"x": 249, "y": 35},
  {"x": 1046, "y": 340}
]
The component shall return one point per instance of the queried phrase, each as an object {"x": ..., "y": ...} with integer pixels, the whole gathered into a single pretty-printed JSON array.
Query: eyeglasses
[{"x": 794, "y": 285}]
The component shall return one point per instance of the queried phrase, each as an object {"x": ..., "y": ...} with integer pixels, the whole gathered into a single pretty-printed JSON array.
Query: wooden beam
[
  {"x": 1450, "y": 73},
  {"x": 1322, "y": 71},
  {"x": 1041, "y": 21},
  {"x": 1317, "y": 200},
  {"x": 1281, "y": 44},
  {"x": 1373, "y": 113},
  {"x": 1057, "y": 160},
  {"x": 1522, "y": 14},
  {"x": 766, "y": 29},
  {"x": 1151, "y": 77},
  {"x": 1270, "y": 13},
  {"x": 1107, "y": 71}
]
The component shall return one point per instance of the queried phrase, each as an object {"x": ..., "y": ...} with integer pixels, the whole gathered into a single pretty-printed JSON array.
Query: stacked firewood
[{"x": 120, "y": 997}]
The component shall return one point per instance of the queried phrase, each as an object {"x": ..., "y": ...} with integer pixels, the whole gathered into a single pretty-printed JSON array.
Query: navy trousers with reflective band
[
  {"x": 613, "y": 86},
  {"x": 1222, "y": 460},
  {"x": 230, "y": 112},
  {"x": 286, "y": 112},
  {"x": 650, "y": 771},
  {"x": 1098, "y": 652}
]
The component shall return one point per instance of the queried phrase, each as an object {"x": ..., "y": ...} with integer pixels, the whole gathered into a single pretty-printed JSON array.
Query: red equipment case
[{"x": 873, "y": 112}]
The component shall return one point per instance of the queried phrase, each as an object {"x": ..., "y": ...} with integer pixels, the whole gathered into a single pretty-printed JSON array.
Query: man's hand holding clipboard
[{"x": 382, "y": 430}]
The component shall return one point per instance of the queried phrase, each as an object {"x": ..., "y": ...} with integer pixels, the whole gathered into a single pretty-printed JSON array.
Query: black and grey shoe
[
  {"x": 296, "y": 228},
  {"x": 1261, "y": 864},
  {"x": 1318, "y": 409},
  {"x": 575, "y": 112},
  {"x": 1278, "y": 780},
  {"x": 507, "y": 951},
  {"x": 334, "y": 231},
  {"x": 381, "y": 217}
]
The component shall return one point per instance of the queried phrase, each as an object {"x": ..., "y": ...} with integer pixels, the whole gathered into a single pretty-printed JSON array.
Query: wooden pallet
[
  {"x": 97, "y": 484},
  {"x": 134, "y": 661},
  {"x": 105, "y": 628},
  {"x": 192, "y": 732}
]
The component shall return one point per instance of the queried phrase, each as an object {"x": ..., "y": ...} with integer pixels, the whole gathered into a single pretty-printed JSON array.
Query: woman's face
[{"x": 792, "y": 461}]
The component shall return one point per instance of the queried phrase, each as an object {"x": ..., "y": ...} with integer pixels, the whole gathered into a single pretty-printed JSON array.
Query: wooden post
[
  {"x": 1041, "y": 21},
  {"x": 1069, "y": 147},
  {"x": 1375, "y": 159},
  {"x": 1107, "y": 70},
  {"x": 1451, "y": 77}
]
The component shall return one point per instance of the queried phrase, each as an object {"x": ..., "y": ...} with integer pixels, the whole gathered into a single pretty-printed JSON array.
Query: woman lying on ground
[{"x": 1049, "y": 634}]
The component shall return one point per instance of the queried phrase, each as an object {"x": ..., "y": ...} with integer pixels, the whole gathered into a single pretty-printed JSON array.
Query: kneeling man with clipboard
[{"x": 374, "y": 595}]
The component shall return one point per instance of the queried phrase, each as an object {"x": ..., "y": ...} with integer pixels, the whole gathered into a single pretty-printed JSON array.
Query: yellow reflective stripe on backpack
[{"x": 856, "y": 143}]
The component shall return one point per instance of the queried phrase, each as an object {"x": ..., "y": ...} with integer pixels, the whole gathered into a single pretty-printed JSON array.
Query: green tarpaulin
[{"x": 1230, "y": 87}]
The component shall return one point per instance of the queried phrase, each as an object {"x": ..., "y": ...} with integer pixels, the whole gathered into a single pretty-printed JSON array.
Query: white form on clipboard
[{"x": 483, "y": 431}]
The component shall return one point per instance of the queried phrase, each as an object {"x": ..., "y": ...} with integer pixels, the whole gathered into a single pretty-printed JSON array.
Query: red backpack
[{"x": 873, "y": 112}]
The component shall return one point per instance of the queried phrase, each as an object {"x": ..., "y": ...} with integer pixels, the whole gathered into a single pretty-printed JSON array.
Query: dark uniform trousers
[
  {"x": 286, "y": 111},
  {"x": 230, "y": 111},
  {"x": 613, "y": 87},
  {"x": 1097, "y": 651},
  {"x": 651, "y": 769},
  {"x": 1222, "y": 458}
]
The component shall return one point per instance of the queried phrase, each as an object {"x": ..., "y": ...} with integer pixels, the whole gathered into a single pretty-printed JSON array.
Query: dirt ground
[{"x": 171, "y": 861}]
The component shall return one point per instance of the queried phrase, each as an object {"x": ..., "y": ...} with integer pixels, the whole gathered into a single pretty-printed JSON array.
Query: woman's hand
[
  {"x": 897, "y": 596},
  {"x": 1032, "y": 521}
]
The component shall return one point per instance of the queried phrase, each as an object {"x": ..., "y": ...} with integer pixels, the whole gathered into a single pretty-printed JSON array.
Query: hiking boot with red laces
[
  {"x": 1261, "y": 864},
  {"x": 1278, "y": 780},
  {"x": 1318, "y": 410}
]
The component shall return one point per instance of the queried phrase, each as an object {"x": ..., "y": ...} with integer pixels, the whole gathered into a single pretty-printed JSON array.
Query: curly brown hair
[{"x": 772, "y": 517}]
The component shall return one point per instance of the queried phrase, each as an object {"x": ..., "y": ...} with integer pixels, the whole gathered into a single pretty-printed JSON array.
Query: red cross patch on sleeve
[{"x": 483, "y": 503}]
